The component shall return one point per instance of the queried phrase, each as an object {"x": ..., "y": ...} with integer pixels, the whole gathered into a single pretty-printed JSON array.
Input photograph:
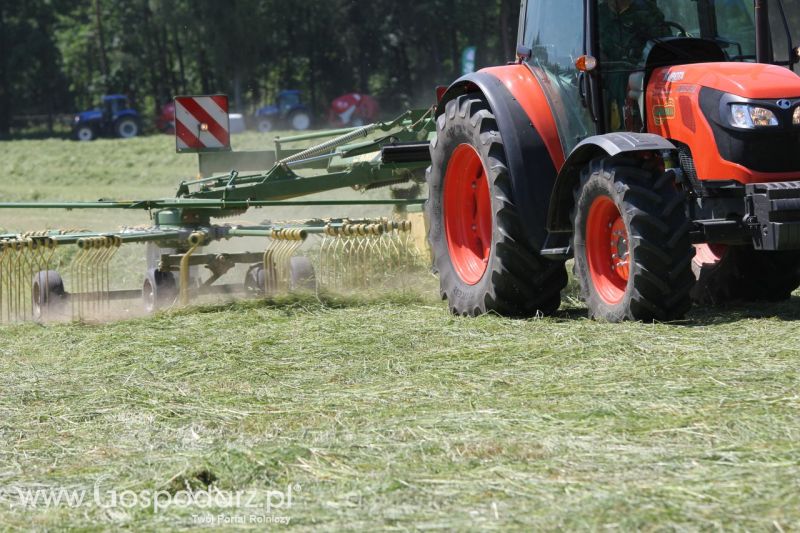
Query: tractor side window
[
  {"x": 554, "y": 32},
  {"x": 289, "y": 101},
  {"x": 780, "y": 45},
  {"x": 736, "y": 28}
]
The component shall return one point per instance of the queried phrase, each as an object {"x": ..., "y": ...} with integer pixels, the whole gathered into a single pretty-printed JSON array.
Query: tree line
[{"x": 58, "y": 56}]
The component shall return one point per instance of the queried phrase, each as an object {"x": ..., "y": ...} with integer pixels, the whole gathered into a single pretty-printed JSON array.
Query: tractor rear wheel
[
  {"x": 633, "y": 254},
  {"x": 127, "y": 128},
  {"x": 739, "y": 273},
  {"x": 480, "y": 249},
  {"x": 300, "y": 121}
]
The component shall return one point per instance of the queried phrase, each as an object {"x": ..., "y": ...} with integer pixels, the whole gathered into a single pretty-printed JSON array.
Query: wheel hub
[
  {"x": 619, "y": 248},
  {"x": 608, "y": 250},
  {"x": 468, "y": 214}
]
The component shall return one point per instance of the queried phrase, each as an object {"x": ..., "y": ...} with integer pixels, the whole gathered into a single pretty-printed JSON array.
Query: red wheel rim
[
  {"x": 468, "y": 214},
  {"x": 607, "y": 250}
]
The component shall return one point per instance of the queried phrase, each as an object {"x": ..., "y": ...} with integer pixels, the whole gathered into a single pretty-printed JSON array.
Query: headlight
[
  {"x": 76, "y": 118},
  {"x": 748, "y": 116},
  {"x": 796, "y": 118}
]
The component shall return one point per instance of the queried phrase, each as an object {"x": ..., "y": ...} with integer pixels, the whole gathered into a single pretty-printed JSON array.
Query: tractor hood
[
  {"x": 267, "y": 111},
  {"x": 694, "y": 105},
  {"x": 748, "y": 80},
  {"x": 87, "y": 116}
]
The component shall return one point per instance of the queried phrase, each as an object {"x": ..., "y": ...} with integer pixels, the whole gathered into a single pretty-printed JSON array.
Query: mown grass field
[{"x": 382, "y": 411}]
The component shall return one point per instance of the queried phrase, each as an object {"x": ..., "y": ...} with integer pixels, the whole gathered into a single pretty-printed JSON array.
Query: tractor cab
[
  {"x": 288, "y": 101},
  {"x": 596, "y": 78},
  {"x": 113, "y": 105}
]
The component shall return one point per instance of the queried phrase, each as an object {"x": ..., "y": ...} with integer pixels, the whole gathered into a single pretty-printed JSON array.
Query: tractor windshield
[
  {"x": 729, "y": 22},
  {"x": 627, "y": 28},
  {"x": 288, "y": 100}
]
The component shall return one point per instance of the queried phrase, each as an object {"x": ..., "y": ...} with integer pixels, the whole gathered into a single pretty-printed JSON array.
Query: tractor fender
[
  {"x": 126, "y": 114},
  {"x": 531, "y": 167},
  {"x": 608, "y": 145}
]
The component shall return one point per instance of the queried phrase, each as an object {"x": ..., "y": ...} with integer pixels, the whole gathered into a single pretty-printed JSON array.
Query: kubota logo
[{"x": 784, "y": 104}]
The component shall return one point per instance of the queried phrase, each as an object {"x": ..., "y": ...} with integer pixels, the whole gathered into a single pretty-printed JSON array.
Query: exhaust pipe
[{"x": 763, "y": 38}]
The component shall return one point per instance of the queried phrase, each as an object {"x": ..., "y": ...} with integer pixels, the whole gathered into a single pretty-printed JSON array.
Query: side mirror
[{"x": 524, "y": 53}]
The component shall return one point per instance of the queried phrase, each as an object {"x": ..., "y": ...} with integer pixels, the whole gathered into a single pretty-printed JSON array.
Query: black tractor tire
[
  {"x": 48, "y": 294},
  {"x": 517, "y": 280},
  {"x": 159, "y": 290},
  {"x": 127, "y": 128},
  {"x": 651, "y": 242},
  {"x": 742, "y": 274},
  {"x": 85, "y": 133},
  {"x": 265, "y": 125},
  {"x": 300, "y": 121}
]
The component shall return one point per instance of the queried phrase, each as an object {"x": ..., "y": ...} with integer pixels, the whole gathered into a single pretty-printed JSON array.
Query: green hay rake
[{"x": 67, "y": 274}]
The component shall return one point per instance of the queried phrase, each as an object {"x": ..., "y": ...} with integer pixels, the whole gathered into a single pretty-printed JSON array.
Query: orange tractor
[{"x": 655, "y": 142}]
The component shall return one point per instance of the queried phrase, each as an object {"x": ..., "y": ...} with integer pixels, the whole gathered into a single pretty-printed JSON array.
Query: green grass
[{"x": 385, "y": 412}]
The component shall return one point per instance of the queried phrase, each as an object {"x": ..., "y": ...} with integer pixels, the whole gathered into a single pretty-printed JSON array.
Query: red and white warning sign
[{"x": 202, "y": 123}]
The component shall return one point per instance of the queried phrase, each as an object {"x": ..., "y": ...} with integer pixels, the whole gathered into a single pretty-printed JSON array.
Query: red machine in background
[
  {"x": 165, "y": 122},
  {"x": 353, "y": 109}
]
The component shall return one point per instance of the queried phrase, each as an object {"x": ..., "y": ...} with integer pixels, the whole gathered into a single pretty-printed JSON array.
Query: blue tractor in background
[
  {"x": 114, "y": 117},
  {"x": 288, "y": 112}
]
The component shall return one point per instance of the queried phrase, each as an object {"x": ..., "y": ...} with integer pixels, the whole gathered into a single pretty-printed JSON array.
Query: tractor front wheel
[
  {"x": 85, "y": 133},
  {"x": 633, "y": 254},
  {"x": 480, "y": 248},
  {"x": 265, "y": 125}
]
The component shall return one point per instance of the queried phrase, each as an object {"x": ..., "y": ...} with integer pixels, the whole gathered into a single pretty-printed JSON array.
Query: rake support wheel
[
  {"x": 159, "y": 290},
  {"x": 49, "y": 297},
  {"x": 633, "y": 254},
  {"x": 480, "y": 249},
  {"x": 302, "y": 277}
]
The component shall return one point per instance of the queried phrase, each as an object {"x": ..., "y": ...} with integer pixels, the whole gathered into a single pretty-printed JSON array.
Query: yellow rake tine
[
  {"x": 76, "y": 271},
  {"x": 269, "y": 264},
  {"x": 3, "y": 275},
  {"x": 195, "y": 241}
]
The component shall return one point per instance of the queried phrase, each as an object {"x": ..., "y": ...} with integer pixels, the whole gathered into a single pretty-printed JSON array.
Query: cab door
[{"x": 555, "y": 32}]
